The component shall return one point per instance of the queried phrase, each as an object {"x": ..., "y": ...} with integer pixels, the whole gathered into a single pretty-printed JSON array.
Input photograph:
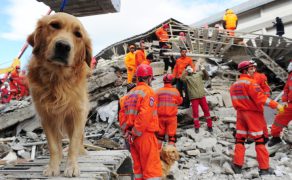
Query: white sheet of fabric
[{"x": 108, "y": 112}]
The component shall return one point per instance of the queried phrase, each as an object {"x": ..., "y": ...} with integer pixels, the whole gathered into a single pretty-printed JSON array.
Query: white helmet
[{"x": 6, "y": 84}]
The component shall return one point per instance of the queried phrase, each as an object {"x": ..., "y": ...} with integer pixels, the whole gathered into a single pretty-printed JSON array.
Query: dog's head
[
  {"x": 169, "y": 154},
  {"x": 61, "y": 40}
]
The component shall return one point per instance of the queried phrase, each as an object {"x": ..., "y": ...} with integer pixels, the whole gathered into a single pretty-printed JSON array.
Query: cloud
[{"x": 135, "y": 17}]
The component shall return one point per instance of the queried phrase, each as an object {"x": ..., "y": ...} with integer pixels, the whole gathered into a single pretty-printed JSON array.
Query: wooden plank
[{"x": 213, "y": 38}]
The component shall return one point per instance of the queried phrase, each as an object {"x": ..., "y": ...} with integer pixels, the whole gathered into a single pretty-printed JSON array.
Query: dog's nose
[{"x": 62, "y": 46}]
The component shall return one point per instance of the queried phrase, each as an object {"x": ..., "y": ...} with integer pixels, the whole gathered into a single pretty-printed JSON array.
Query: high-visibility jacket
[
  {"x": 168, "y": 100},
  {"x": 231, "y": 19},
  {"x": 121, "y": 114},
  {"x": 246, "y": 95},
  {"x": 261, "y": 79},
  {"x": 140, "y": 110},
  {"x": 181, "y": 64},
  {"x": 162, "y": 35},
  {"x": 130, "y": 61},
  {"x": 287, "y": 96},
  {"x": 140, "y": 56}
]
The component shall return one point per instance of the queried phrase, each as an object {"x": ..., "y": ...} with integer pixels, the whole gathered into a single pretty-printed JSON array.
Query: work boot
[
  {"x": 236, "y": 168},
  {"x": 249, "y": 141},
  {"x": 197, "y": 130},
  {"x": 263, "y": 172},
  {"x": 210, "y": 129},
  {"x": 274, "y": 141}
]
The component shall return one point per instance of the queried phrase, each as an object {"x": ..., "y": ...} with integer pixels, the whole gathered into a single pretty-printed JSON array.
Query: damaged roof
[{"x": 81, "y": 8}]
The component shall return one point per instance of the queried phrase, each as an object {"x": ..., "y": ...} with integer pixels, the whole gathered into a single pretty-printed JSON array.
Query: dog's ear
[
  {"x": 163, "y": 154},
  {"x": 176, "y": 155},
  {"x": 34, "y": 39},
  {"x": 88, "y": 56}
]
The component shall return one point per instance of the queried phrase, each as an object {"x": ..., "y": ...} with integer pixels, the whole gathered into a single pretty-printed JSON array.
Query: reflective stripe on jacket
[
  {"x": 140, "y": 110},
  {"x": 247, "y": 95},
  {"x": 287, "y": 96},
  {"x": 168, "y": 100}
]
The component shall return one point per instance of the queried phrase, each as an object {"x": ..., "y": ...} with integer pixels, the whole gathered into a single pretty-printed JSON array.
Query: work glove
[
  {"x": 129, "y": 137},
  {"x": 280, "y": 109}
]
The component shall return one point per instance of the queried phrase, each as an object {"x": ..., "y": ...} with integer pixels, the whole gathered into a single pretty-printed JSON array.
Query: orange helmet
[
  {"x": 168, "y": 78},
  {"x": 144, "y": 70},
  {"x": 244, "y": 65}
]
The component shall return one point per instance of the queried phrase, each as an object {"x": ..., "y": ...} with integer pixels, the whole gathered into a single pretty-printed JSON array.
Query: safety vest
[
  {"x": 246, "y": 95},
  {"x": 162, "y": 35},
  {"x": 287, "y": 96},
  {"x": 168, "y": 100},
  {"x": 181, "y": 64},
  {"x": 140, "y": 110}
]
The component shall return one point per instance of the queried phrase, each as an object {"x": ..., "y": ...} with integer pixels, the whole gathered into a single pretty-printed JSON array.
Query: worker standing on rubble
[
  {"x": 230, "y": 21},
  {"x": 5, "y": 98},
  {"x": 130, "y": 64},
  {"x": 282, "y": 120},
  {"x": 262, "y": 80},
  {"x": 140, "y": 112},
  {"x": 168, "y": 100},
  {"x": 197, "y": 96},
  {"x": 140, "y": 54},
  {"x": 180, "y": 66},
  {"x": 248, "y": 99},
  {"x": 162, "y": 35}
]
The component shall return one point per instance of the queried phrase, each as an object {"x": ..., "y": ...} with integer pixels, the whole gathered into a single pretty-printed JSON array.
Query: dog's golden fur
[
  {"x": 168, "y": 156},
  {"x": 58, "y": 86}
]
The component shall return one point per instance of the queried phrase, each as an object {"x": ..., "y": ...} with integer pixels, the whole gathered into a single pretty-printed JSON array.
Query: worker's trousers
[
  {"x": 250, "y": 124},
  {"x": 167, "y": 126},
  {"x": 204, "y": 105},
  {"x": 130, "y": 75},
  {"x": 281, "y": 121},
  {"x": 146, "y": 157}
]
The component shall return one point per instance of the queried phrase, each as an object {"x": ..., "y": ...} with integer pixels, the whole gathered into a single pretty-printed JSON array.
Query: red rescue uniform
[
  {"x": 283, "y": 119},
  {"x": 140, "y": 117},
  {"x": 168, "y": 100},
  {"x": 248, "y": 99}
]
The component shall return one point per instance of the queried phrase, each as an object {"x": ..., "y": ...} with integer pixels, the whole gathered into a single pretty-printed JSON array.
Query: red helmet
[
  {"x": 165, "y": 26},
  {"x": 168, "y": 78},
  {"x": 144, "y": 70},
  {"x": 17, "y": 67},
  {"x": 244, "y": 65}
]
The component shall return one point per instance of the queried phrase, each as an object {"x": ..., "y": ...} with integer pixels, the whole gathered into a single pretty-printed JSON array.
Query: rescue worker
[
  {"x": 230, "y": 22},
  {"x": 282, "y": 120},
  {"x": 248, "y": 99},
  {"x": 140, "y": 114},
  {"x": 14, "y": 89},
  {"x": 15, "y": 73},
  {"x": 262, "y": 80},
  {"x": 149, "y": 59},
  {"x": 168, "y": 100},
  {"x": 180, "y": 65},
  {"x": 130, "y": 63},
  {"x": 121, "y": 112},
  {"x": 162, "y": 35},
  {"x": 197, "y": 96},
  {"x": 280, "y": 29},
  {"x": 5, "y": 98},
  {"x": 140, "y": 54}
]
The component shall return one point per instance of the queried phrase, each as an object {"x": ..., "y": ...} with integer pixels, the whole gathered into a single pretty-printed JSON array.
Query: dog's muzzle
[{"x": 61, "y": 52}]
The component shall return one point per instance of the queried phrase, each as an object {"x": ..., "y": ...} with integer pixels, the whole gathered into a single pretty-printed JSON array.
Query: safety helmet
[
  {"x": 17, "y": 67},
  {"x": 165, "y": 26},
  {"x": 6, "y": 83},
  {"x": 244, "y": 65},
  {"x": 182, "y": 34},
  {"x": 144, "y": 70},
  {"x": 167, "y": 78},
  {"x": 229, "y": 11}
]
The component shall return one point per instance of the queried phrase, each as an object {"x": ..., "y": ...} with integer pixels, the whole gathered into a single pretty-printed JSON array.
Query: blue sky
[{"x": 18, "y": 18}]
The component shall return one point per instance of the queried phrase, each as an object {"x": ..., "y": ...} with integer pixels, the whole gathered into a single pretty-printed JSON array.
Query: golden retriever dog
[
  {"x": 168, "y": 156},
  {"x": 57, "y": 77}
]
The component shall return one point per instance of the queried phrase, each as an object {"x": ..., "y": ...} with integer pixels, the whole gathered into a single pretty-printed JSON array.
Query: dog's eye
[
  {"x": 78, "y": 34},
  {"x": 55, "y": 25}
]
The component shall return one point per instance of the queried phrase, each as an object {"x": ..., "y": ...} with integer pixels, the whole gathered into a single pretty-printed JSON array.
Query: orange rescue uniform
[
  {"x": 181, "y": 64},
  {"x": 130, "y": 63},
  {"x": 162, "y": 35},
  {"x": 140, "y": 56},
  {"x": 248, "y": 99},
  {"x": 283, "y": 119},
  {"x": 231, "y": 21},
  {"x": 261, "y": 79},
  {"x": 168, "y": 100},
  {"x": 139, "y": 112}
]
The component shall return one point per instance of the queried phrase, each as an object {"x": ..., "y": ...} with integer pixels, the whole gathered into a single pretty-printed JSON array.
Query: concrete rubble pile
[{"x": 202, "y": 155}]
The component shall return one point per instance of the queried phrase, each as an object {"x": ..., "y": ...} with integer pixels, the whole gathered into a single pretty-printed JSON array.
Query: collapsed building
[{"x": 203, "y": 155}]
